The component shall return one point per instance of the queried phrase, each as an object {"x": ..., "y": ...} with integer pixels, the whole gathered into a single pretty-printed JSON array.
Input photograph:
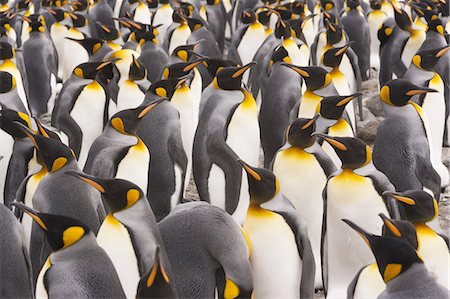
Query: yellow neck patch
[
  {"x": 231, "y": 289},
  {"x": 391, "y": 271},
  {"x": 59, "y": 163},
  {"x": 117, "y": 124},
  {"x": 133, "y": 196},
  {"x": 72, "y": 235}
]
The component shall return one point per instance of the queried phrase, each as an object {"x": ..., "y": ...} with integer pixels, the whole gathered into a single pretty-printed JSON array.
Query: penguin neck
[
  {"x": 427, "y": 75},
  {"x": 395, "y": 111},
  {"x": 409, "y": 278},
  {"x": 71, "y": 165},
  {"x": 74, "y": 250}
]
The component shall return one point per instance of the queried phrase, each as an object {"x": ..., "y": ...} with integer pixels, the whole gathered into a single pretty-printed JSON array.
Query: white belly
[
  {"x": 309, "y": 32},
  {"x": 434, "y": 108},
  {"x": 174, "y": 200},
  {"x": 129, "y": 96},
  {"x": 350, "y": 197},
  {"x": 196, "y": 89},
  {"x": 7, "y": 143},
  {"x": 340, "y": 129},
  {"x": 58, "y": 33},
  {"x": 370, "y": 283},
  {"x": 134, "y": 166},
  {"x": 114, "y": 238},
  {"x": 302, "y": 180},
  {"x": 179, "y": 37},
  {"x": 216, "y": 186},
  {"x": 343, "y": 85},
  {"x": 276, "y": 265},
  {"x": 41, "y": 292},
  {"x": 75, "y": 51},
  {"x": 375, "y": 19},
  {"x": 31, "y": 187},
  {"x": 308, "y": 104},
  {"x": 297, "y": 55},
  {"x": 142, "y": 14},
  {"x": 163, "y": 16},
  {"x": 411, "y": 47},
  {"x": 88, "y": 114},
  {"x": 250, "y": 43}
]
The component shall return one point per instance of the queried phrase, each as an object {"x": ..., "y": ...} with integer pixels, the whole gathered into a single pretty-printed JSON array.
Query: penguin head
[
  {"x": 394, "y": 256},
  {"x": 248, "y": 16},
  {"x": 8, "y": 82},
  {"x": 334, "y": 33},
  {"x": 90, "y": 70},
  {"x": 299, "y": 133},
  {"x": 195, "y": 24},
  {"x": 78, "y": 20},
  {"x": 148, "y": 36},
  {"x": 333, "y": 57},
  {"x": 327, "y": 5},
  {"x": 263, "y": 16},
  {"x": 185, "y": 52},
  {"x": 54, "y": 154},
  {"x": 262, "y": 183},
  {"x": 178, "y": 16},
  {"x": 282, "y": 29},
  {"x": 91, "y": 44},
  {"x": 6, "y": 51},
  {"x": 375, "y": 4},
  {"x": 401, "y": 229},
  {"x": 298, "y": 7},
  {"x": 9, "y": 119},
  {"x": 127, "y": 121},
  {"x": 137, "y": 70},
  {"x": 427, "y": 59},
  {"x": 166, "y": 88},
  {"x": 279, "y": 54},
  {"x": 58, "y": 13},
  {"x": 333, "y": 107},
  {"x": 398, "y": 92},
  {"x": 36, "y": 23},
  {"x": 329, "y": 18},
  {"x": 214, "y": 65},
  {"x": 402, "y": 19},
  {"x": 180, "y": 69},
  {"x": 187, "y": 8},
  {"x": 385, "y": 32},
  {"x": 118, "y": 194},
  {"x": 418, "y": 205},
  {"x": 315, "y": 77},
  {"x": 61, "y": 231},
  {"x": 108, "y": 33},
  {"x": 436, "y": 26},
  {"x": 424, "y": 9},
  {"x": 353, "y": 4},
  {"x": 353, "y": 152},
  {"x": 79, "y": 5},
  {"x": 156, "y": 283},
  {"x": 230, "y": 78}
]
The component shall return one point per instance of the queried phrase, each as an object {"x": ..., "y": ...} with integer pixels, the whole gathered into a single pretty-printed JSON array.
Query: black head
[
  {"x": 315, "y": 77},
  {"x": 214, "y": 65},
  {"x": 401, "y": 229},
  {"x": 393, "y": 255},
  {"x": 166, "y": 88},
  {"x": 248, "y": 16},
  {"x": 436, "y": 26},
  {"x": 118, "y": 194},
  {"x": 180, "y": 69},
  {"x": 262, "y": 183},
  {"x": 282, "y": 29},
  {"x": 334, "y": 33},
  {"x": 9, "y": 119},
  {"x": 298, "y": 7},
  {"x": 424, "y": 9},
  {"x": 385, "y": 32},
  {"x": 6, "y": 51},
  {"x": 195, "y": 24},
  {"x": 137, "y": 70},
  {"x": 179, "y": 16},
  {"x": 332, "y": 107},
  {"x": 402, "y": 19},
  {"x": 36, "y": 23},
  {"x": 230, "y": 78},
  {"x": 127, "y": 121},
  {"x": 61, "y": 231},
  {"x": 91, "y": 44},
  {"x": 90, "y": 70},
  {"x": 333, "y": 57},
  {"x": 187, "y": 8},
  {"x": 279, "y": 54},
  {"x": 299, "y": 133},
  {"x": 58, "y": 14},
  {"x": 353, "y": 152},
  {"x": 8, "y": 82},
  {"x": 427, "y": 59},
  {"x": 156, "y": 283},
  {"x": 418, "y": 205},
  {"x": 78, "y": 20},
  {"x": 398, "y": 92},
  {"x": 329, "y": 18},
  {"x": 185, "y": 52},
  {"x": 79, "y": 5},
  {"x": 108, "y": 33},
  {"x": 375, "y": 4}
]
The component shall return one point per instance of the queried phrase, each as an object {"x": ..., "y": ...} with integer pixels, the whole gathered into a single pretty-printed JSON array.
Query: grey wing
[
  {"x": 352, "y": 286},
  {"x": 286, "y": 209},
  {"x": 324, "y": 160},
  {"x": 323, "y": 240}
]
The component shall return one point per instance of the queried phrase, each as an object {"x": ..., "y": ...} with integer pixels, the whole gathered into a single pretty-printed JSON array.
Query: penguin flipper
[
  {"x": 179, "y": 158},
  {"x": 323, "y": 239},
  {"x": 352, "y": 286},
  {"x": 69, "y": 126},
  {"x": 293, "y": 115},
  {"x": 324, "y": 160},
  {"x": 428, "y": 176},
  {"x": 354, "y": 62},
  {"x": 282, "y": 206}
]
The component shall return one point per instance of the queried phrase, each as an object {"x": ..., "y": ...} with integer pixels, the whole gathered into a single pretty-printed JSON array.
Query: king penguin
[
  {"x": 375, "y": 18},
  {"x": 276, "y": 230},
  {"x": 421, "y": 209},
  {"x": 127, "y": 155},
  {"x": 208, "y": 253},
  {"x": 228, "y": 128},
  {"x": 77, "y": 266},
  {"x": 401, "y": 267},
  {"x": 131, "y": 245},
  {"x": 401, "y": 148},
  {"x": 81, "y": 110},
  {"x": 302, "y": 168},
  {"x": 422, "y": 72},
  {"x": 178, "y": 33},
  {"x": 348, "y": 194}
]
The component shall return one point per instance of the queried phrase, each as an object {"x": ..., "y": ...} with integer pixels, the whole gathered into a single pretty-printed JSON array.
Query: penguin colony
[{"x": 146, "y": 96}]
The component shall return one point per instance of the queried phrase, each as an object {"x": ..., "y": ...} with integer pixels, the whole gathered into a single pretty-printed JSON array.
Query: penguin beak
[
  {"x": 183, "y": 79},
  {"x": 123, "y": 22},
  {"x": 29, "y": 133},
  {"x": 311, "y": 122},
  {"x": 364, "y": 235},
  {"x": 91, "y": 180},
  {"x": 192, "y": 65},
  {"x": 147, "y": 109},
  {"x": 250, "y": 170},
  {"x": 442, "y": 52},
  {"x": 32, "y": 213},
  {"x": 41, "y": 129},
  {"x": 420, "y": 90},
  {"x": 348, "y": 99},
  {"x": 333, "y": 142},
  {"x": 342, "y": 50},
  {"x": 297, "y": 69},
  {"x": 242, "y": 70},
  {"x": 391, "y": 226},
  {"x": 106, "y": 29},
  {"x": 400, "y": 198},
  {"x": 304, "y": 22},
  {"x": 106, "y": 63}
]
